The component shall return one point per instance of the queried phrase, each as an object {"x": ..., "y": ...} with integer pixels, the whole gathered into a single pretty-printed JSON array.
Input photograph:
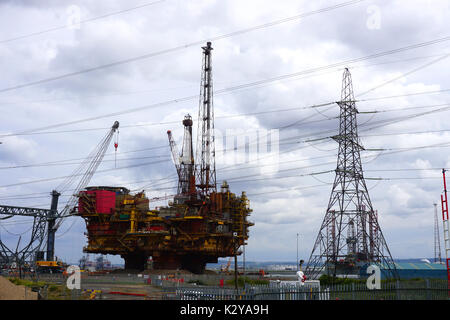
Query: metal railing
[
  {"x": 189, "y": 288},
  {"x": 400, "y": 290}
]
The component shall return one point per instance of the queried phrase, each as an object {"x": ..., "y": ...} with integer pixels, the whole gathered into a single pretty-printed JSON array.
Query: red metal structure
[{"x": 444, "y": 203}]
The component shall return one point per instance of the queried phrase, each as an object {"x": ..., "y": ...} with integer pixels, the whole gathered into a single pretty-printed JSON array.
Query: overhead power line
[
  {"x": 49, "y": 164},
  {"x": 240, "y": 87},
  {"x": 352, "y": 66},
  {"x": 391, "y": 151},
  {"x": 173, "y": 122},
  {"x": 181, "y": 47},
  {"x": 405, "y": 74},
  {"x": 403, "y": 95},
  {"x": 36, "y": 33},
  {"x": 64, "y": 177}
]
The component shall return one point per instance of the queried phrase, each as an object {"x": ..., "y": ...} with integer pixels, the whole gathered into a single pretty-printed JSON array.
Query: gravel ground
[{"x": 152, "y": 293}]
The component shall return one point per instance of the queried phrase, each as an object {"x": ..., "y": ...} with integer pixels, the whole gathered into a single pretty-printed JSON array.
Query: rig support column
[
  {"x": 135, "y": 261},
  {"x": 51, "y": 218}
]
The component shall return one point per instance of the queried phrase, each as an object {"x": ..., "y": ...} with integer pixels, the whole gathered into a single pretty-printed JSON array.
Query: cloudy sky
[{"x": 71, "y": 68}]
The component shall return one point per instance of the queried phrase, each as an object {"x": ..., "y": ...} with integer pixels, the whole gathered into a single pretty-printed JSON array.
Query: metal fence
[
  {"x": 427, "y": 289},
  {"x": 400, "y": 290},
  {"x": 195, "y": 288}
]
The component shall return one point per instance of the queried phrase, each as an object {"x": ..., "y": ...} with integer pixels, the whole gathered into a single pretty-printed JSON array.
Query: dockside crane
[{"x": 46, "y": 222}]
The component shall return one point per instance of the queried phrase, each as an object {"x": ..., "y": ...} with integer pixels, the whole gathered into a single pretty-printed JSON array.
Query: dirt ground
[
  {"x": 151, "y": 293},
  {"x": 159, "y": 271},
  {"x": 10, "y": 291}
]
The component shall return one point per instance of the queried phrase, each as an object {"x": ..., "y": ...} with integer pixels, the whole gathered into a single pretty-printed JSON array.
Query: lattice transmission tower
[{"x": 350, "y": 236}]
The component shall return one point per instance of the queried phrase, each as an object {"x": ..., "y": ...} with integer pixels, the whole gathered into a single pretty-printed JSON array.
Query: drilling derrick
[
  {"x": 350, "y": 236},
  {"x": 205, "y": 158}
]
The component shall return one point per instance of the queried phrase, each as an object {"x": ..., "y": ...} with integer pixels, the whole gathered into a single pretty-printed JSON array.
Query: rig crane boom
[
  {"x": 46, "y": 222},
  {"x": 88, "y": 166},
  {"x": 174, "y": 150}
]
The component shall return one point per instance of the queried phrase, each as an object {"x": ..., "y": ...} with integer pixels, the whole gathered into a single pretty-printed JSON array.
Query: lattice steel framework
[
  {"x": 184, "y": 161},
  {"x": 38, "y": 233},
  {"x": 46, "y": 222},
  {"x": 205, "y": 167},
  {"x": 350, "y": 235},
  {"x": 437, "y": 238}
]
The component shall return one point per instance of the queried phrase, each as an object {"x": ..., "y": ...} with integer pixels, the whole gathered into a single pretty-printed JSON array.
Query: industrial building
[{"x": 409, "y": 270}]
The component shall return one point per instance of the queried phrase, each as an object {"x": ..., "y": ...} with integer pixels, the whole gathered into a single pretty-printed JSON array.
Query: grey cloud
[{"x": 318, "y": 40}]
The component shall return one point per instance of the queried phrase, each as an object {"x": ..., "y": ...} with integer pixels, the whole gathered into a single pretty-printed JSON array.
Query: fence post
[
  {"x": 427, "y": 282},
  {"x": 353, "y": 291}
]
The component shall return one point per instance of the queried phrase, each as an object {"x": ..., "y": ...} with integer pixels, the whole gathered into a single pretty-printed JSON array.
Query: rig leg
[
  {"x": 170, "y": 261},
  {"x": 195, "y": 264},
  {"x": 166, "y": 261},
  {"x": 135, "y": 261}
]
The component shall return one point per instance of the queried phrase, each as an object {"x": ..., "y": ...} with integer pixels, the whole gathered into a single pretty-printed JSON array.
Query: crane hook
[{"x": 116, "y": 144}]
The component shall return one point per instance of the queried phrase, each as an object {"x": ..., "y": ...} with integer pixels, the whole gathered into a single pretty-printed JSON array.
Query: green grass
[
  {"x": 242, "y": 280},
  {"x": 27, "y": 283},
  {"x": 53, "y": 292}
]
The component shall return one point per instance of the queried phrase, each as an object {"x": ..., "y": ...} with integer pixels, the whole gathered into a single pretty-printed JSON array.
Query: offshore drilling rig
[{"x": 198, "y": 227}]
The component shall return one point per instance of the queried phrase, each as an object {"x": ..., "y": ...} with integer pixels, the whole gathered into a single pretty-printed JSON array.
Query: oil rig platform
[{"x": 200, "y": 225}]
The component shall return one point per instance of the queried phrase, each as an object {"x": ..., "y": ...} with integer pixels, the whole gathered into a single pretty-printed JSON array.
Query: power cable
[
  {"x": 166, "y": 51},
  {"x": 403, "y": 95},
  {"x": 405, "y": 74},
  {"x": 244, "y": 86},
  {"x": 64, "y": 177},
  {"x": 176, "y": 88},
  {"x": 173, "y": 122},
  {"x": 79, "y": 22},
  {"x": 75, "y": 163}
]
